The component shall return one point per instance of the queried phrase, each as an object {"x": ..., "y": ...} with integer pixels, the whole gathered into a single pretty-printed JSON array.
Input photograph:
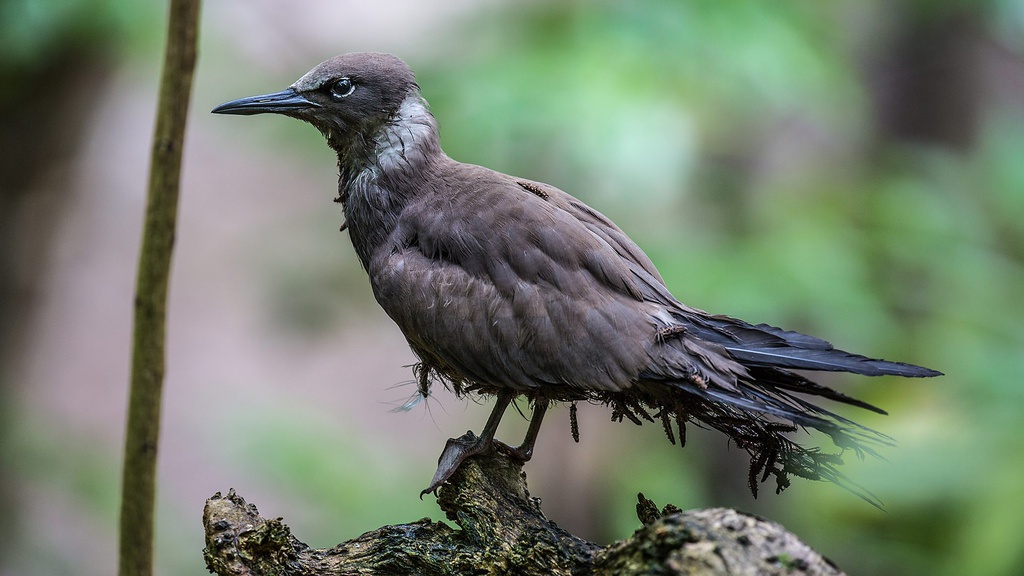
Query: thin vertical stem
[{"x": 147, "y": 370}]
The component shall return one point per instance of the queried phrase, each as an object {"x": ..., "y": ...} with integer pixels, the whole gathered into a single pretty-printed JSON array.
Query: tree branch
[{"x": 503, "y": 531}]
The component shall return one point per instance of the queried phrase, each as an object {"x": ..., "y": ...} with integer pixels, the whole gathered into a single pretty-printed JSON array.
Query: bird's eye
[{"x": 342, "y": 88}]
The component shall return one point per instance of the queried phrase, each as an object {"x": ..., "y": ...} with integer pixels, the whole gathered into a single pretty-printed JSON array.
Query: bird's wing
[
  {"x": 597, "y": 223},
  {"x": 766, "y": 345},
  {"x": 752, "y": 345},
  {"x": 515, "y": 287}
]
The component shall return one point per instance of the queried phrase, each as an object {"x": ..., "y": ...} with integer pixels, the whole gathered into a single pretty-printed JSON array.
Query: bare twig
[{"x": 147, "y": 373}]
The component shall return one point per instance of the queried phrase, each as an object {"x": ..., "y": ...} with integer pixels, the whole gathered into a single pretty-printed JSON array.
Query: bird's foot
[
  {"x": 455, "y": 451},
  {"x": 521, "y": 453}
]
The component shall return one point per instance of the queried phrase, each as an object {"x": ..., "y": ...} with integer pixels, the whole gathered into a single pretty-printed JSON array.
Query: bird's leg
[
  {"x": 525, "y": 450},
  {"x": 458, "y": 449}
]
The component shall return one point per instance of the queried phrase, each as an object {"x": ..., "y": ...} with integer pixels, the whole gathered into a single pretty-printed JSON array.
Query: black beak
[{"x": 282, "y": 102}]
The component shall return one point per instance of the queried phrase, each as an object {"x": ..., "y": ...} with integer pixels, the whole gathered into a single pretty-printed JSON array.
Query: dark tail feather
[
  {"x": 765, "y": 345},
  {"x": 761, "y": 406},
  {"x": 795, "y": 383},
  {"x": 759, "y": 414}
]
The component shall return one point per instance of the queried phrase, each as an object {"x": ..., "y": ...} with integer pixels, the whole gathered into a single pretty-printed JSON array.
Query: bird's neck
[{"x": 380, "y": 174}]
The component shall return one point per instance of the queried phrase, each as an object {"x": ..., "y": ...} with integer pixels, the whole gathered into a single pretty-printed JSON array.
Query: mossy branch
[
  {"x": 501, "y": 530},
  {"x": 147, "y": 370}
]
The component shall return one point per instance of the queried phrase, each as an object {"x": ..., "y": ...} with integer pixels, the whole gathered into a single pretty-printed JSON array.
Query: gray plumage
[{"x": 507, "y": 286}]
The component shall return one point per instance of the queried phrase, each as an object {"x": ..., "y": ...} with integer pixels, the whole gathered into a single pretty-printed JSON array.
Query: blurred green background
[{"x": 853, "y": 169}]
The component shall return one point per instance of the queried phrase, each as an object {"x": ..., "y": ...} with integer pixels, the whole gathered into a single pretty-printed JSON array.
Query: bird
[{"x": 510, "y": 287}]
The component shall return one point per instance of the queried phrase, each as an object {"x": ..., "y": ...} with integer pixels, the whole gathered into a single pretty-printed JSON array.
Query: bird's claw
[{"x": 456, "y": 450}]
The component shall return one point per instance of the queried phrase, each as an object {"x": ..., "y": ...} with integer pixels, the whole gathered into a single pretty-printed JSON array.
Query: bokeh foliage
[{"x": 755, "y": 151}]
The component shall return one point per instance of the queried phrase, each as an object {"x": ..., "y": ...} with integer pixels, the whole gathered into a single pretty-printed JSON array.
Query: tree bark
[{"x": 502, "y": 530}]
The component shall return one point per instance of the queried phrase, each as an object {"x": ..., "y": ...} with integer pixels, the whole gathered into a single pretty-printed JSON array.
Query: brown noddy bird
[{"x": 511, "y": 287}]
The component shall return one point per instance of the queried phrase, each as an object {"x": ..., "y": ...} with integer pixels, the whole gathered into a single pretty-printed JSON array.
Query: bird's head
[{"x": 348, "y": 98}]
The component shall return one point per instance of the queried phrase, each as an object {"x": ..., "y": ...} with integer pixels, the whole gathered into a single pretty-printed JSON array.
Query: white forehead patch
[{"x": 312, "y": 80}]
